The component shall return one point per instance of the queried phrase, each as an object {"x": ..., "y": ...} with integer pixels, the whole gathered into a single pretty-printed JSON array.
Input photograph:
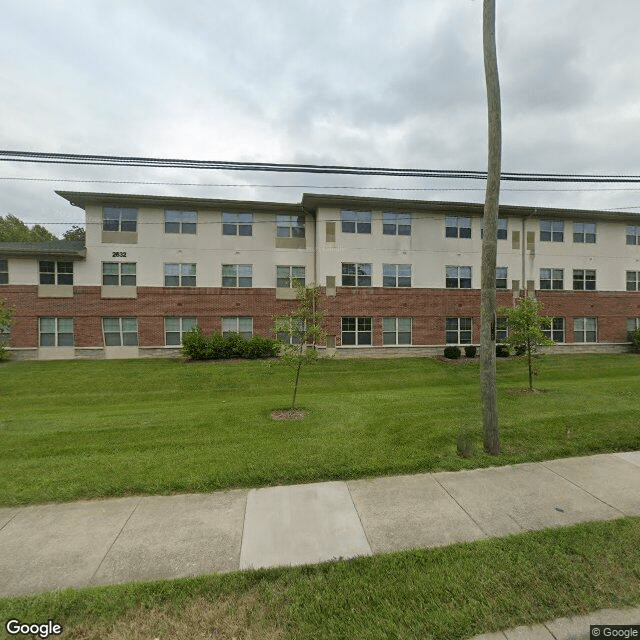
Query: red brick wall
[{"x": 427, "y": 307}]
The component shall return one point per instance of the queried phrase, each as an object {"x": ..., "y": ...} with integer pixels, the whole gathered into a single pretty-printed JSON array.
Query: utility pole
[{"x": 490, "y": 238}]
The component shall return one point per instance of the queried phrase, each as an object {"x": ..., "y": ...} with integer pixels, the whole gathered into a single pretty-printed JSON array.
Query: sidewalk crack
[{"x": 461, "y": 507}]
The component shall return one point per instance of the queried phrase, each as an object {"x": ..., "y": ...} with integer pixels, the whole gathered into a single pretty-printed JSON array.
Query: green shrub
[
  {"x": 502, "y": 351},
  {"x": 521, "y": 350},
  {"x": 4, "y": 352},
  {"x": 634, "y": 339},
  {"x": 260, "y": 347},
  {"x": 470, "y": 351},
  {"x": 194, "y": 344},
  {"x": 236, "y": 345},
  {"x": 452, "y": 352},
  {"x": 197, "y": 346}
]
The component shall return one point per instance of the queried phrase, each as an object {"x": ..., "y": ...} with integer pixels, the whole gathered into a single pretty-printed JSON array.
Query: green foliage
[
  {"x": 75, "y": 233},
  {"x": 634, "y": 339},
  {"x": 303, "y": 327},
  {"x": 6, "y": 319},
  {"x": 470, "y": 351},
  {"x": 502, "y": 351},
  {"x": 525, "y": 330},
  {"x": 12, "y": 229},
  {"x": 197, "y": 346},
  {"x": 452, "y": 352}
]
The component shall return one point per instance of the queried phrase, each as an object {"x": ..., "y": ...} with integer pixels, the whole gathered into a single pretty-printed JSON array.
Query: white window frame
[
  {"x": 395, "y": 332},
  {"x": 124, "y": 331},
  {"x": 502, "y": 277},
  {"x": 633, "y": 234},
  {"x": 550, "y": 277},
  {"x": 460, "y": 328},
  {"x": 396, "y": 223},
  {"x": 584, "y": 279},
  {"x": 551, "y": 230},
  {"x": 362, "y": 331},
  {"x": 556, "y": 330},
  {"x": 580, "y": 329},
  {"x": 455, "y": 277},
  {"x": 120, "y": 276},
  {"x": 182, "y": 222},
  {"x": 59, "y": 276},
  {"x": 633, "y": 280},
  {"x": 396, "y": 275},
  {"x": 362, "y": 274},
  {"x": 237, "y": 324},
  {"x": 184, "y": 325},
  {"x": 352, "y": 221},
  {"x": 633, "y": 324},
  {"x": 290, "y": 226},
  {"x": 286, "y": 279},
  {"x": 584, "y": 232},
  {"x": 237, "y": 276},
  {"x": 57, "y": 332},
  {"x": 183, "y": 271},
  {"x": 457, "y": 227},
  {"x": 238, "y": 223},
  {"x": 125, "y": 219},
  {"x": 4, "y": 271}
]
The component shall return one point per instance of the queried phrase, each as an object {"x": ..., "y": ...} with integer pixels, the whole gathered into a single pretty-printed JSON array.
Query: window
[
  {"x": 237, "y": 224},
  {"x": 396, "y": 224},
  {"x": 585, "y": 329},
  {"x": 119, "y": 274},
  {"x": 584, "y": 232},
  {"x": 5, "y": 335},
  {"x": 180, "y": 221},
  {"x": 502, "y": 328},
  {"x": 458, "y": 330},
  {"x": 555, "y": 331},
  {"x": 456, "y": 227},
  {"x": 56, "y": 332},
  {"x": 551, "y": 279},
  {"x": 633, "y": 280},
  {"x": 175, "y": 328},
  {"x": 501, "y": 231},
  {"x": 356, "y": 275},
  {"x": 120, "y": 332},
  {"x": 119, "y": 219},
  {"x": 180, "y": 275},
  {"x": 551, "y": 230},
  {"x": 396, "y": 275},
  {"x": 355, "y": 221},
  {"x": 52, "y": 272},
  {"x": 396, "y": 330},
  {"x": 458, "y": 277},
  {"x": 584, "y": 280},
  {"x": 356, "y": 331},
  {"x": 501, "y": 277},
  {"x": 4, "y": 272},
  {"x": 633, "y": 234},
  {"x": 290, "y": 226},
  {"x": 238, "y": 324},
  {"x": 292, "y": 336},
  {"x": 237, "y": 275},
  {"x": 288, "y": 276},
  {"x": 633, "y": 324}
]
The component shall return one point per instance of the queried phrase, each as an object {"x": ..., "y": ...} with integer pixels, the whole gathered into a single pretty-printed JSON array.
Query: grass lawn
[
  {"x": 81, "y": 429},
  {"x": 449, "y": 593}
]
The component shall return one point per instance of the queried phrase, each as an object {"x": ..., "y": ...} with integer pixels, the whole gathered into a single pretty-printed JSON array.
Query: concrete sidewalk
[{"x": 146, "y": 538}]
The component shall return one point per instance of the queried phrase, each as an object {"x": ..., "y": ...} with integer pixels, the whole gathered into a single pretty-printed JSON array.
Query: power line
[{"x": 134, "y": 161}]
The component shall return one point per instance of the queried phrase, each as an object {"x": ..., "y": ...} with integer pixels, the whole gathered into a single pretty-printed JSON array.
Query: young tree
[
  {"x": 6, "y": 319},
  {"x": 303, "y": 329},
  {"x": 525, "y": 330},
  {"x": 489, "y": 241}
]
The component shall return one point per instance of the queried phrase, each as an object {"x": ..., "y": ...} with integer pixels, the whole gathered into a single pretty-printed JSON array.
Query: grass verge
[
  {"x": 448, "y": 593},
  {"x": 82, "y": 429}
]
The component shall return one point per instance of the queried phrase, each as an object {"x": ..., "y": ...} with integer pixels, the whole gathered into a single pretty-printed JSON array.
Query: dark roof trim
[{"x": 55, "y": 249}]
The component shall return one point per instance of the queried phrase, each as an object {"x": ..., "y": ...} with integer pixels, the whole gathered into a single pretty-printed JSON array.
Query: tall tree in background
[
  {"x": 75, "y": 233},
  {"x": 12, "y": 229},
  {"x": 490, "y": 239}
]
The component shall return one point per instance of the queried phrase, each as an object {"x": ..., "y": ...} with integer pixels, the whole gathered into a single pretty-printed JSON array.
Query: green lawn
[
  {"x": 449, "y": 593},
  {"x": 82, "y": 429}
]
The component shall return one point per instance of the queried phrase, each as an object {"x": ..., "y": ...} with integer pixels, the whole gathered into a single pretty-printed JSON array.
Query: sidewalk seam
[
  {"x": 487, "y": 535},
  {"x": 575, "y": 484},
  {"x": 355, "y": 508},
  {"x": 93, "y": 575},
  {"x": 9, "y": 520},
  {"x": 244, "y": 522}
]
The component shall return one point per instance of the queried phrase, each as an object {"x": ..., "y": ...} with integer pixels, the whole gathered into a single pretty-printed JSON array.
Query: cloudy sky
[{"x": 350, "y": 82}]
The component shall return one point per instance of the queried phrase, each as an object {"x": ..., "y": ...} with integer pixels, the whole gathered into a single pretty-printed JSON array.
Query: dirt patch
[{"x": 288, "y": 414}]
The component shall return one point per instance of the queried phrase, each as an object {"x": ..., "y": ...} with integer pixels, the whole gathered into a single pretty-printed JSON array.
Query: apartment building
[{"x": 398, "y": 276}]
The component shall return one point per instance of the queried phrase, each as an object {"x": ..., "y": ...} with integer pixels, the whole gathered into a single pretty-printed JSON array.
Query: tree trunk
[{"x": 490, "y": 240}]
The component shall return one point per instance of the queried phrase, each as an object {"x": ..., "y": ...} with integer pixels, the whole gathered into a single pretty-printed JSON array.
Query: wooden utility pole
[{"x": 490, "y": 238}]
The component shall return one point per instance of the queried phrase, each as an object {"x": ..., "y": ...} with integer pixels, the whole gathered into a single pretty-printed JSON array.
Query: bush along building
[{"x": 399, "y": 277}]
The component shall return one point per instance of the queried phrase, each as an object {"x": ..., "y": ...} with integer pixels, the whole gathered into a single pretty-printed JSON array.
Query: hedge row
[{"x": 197, "y": 346}]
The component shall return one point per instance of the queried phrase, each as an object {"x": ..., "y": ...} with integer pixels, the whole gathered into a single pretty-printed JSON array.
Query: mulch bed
[{"x": 288, "y": 414}]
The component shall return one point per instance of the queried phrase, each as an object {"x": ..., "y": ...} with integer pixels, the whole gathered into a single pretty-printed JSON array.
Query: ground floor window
[
  {"x": 458, "y": 330},
  {"x": 174, "y": 328},
  {"x": 356, "y": 331},
  {"x": 120, "y": 332},
  {"x": 238, "y": 324},
  {"x": 396, "y": 330},
  {"x": 5, "y": 335},
  {"x": 502, "y": 328},
  {"x": 585, "y": 329},
  {"x": 555, "y": 331},
  {"x": 633, "y": 324},
  {"x": 56, "y": 332},
  {"x": 292, "y": 335}
]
